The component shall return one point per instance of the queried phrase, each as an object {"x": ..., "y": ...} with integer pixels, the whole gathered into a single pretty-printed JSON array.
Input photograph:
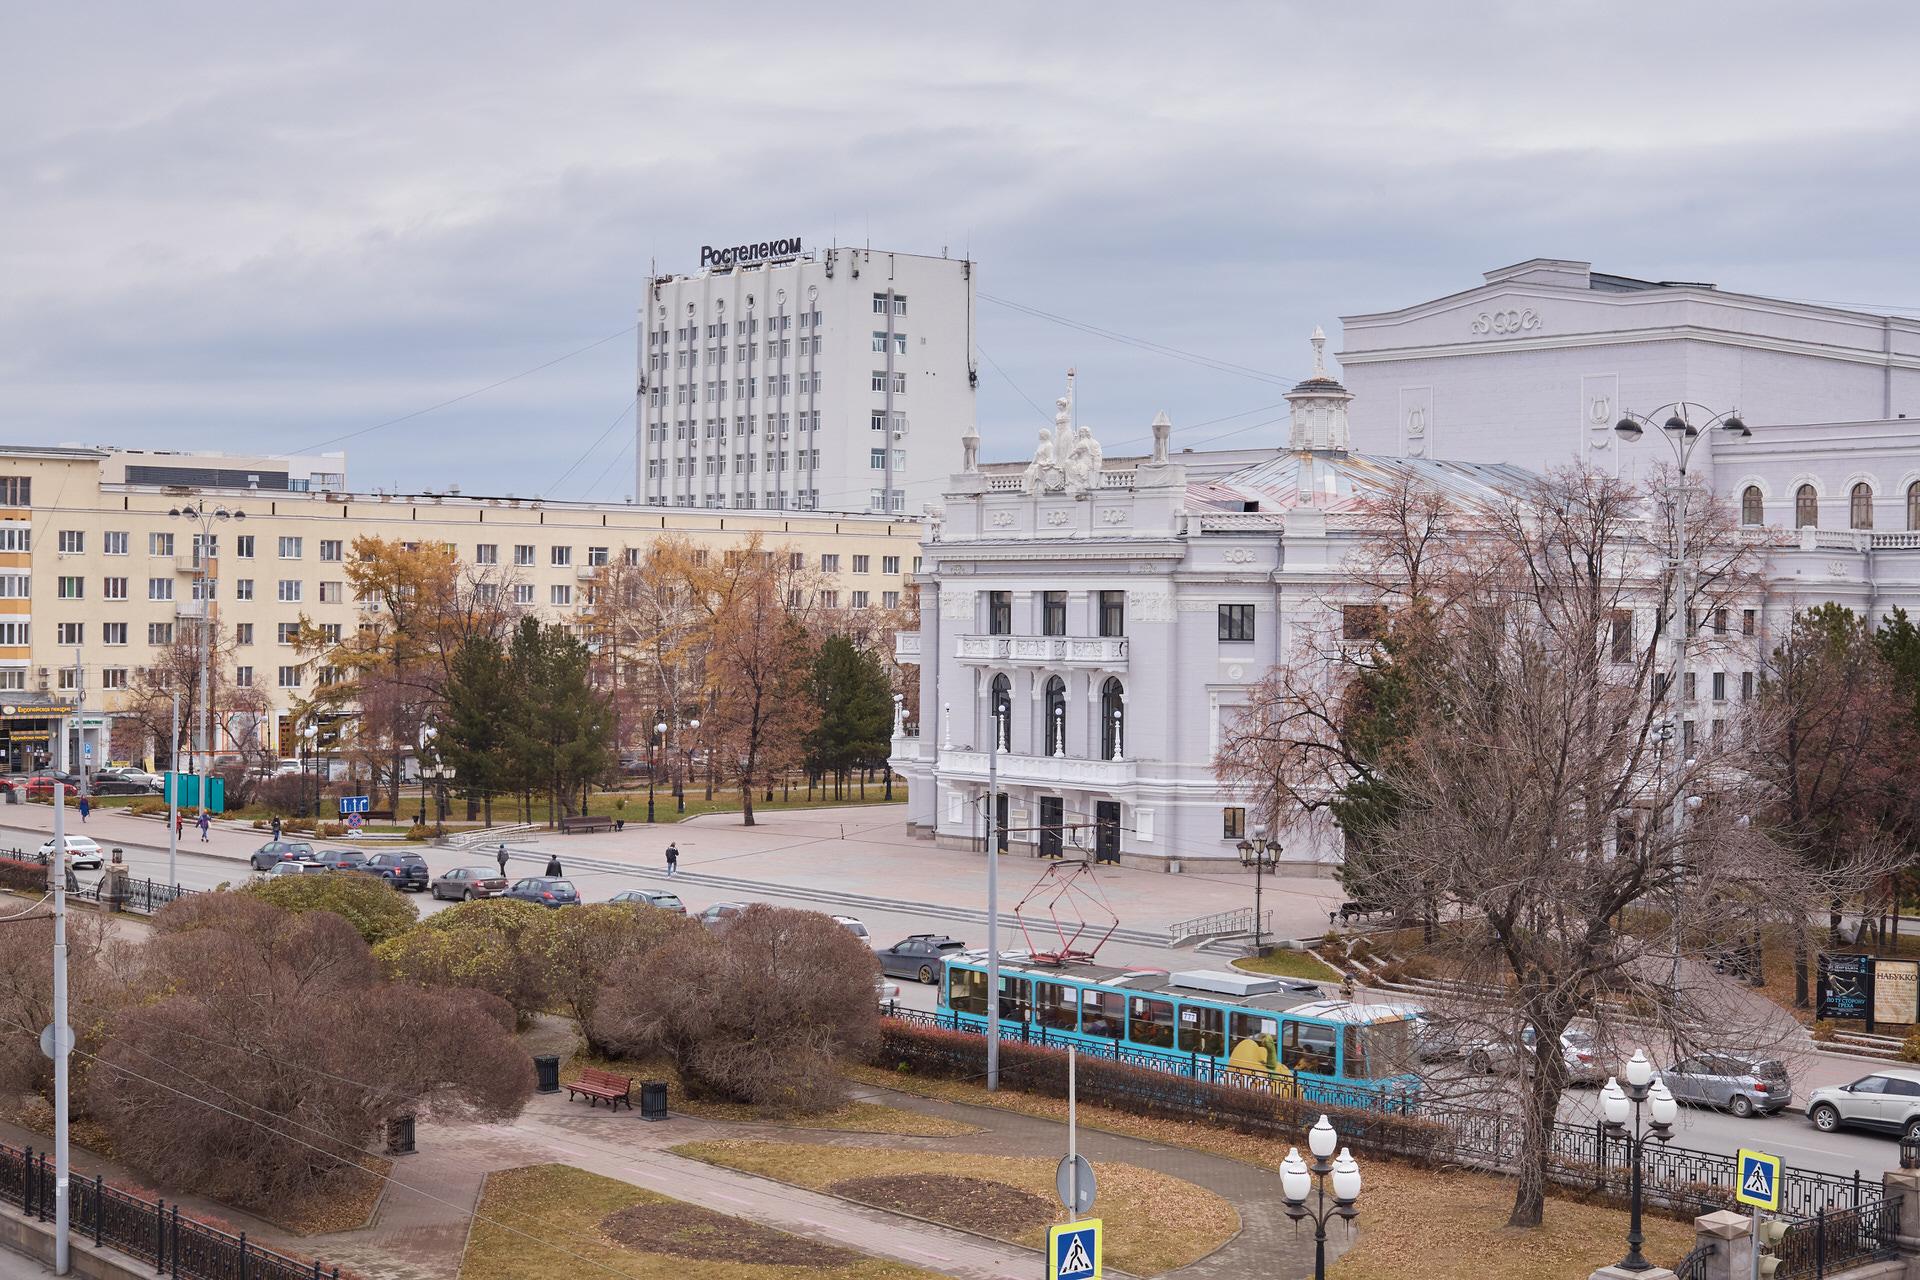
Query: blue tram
[{"x": 1235, "y": 1028}]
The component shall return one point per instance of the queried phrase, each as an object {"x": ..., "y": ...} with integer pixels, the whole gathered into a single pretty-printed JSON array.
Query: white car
[
  {"x": 853, "y": 926},
  {"x": 291, "y": 868},
  {"x": 887, "y": 993},
  {"x": 82, "y": 853}
]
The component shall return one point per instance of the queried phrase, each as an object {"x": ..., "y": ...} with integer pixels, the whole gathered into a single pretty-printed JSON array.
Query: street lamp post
[
  {"x": 683, "y": 764},
  {"x": 1643, "y": 1096},
  {"x": 1261, "y": 854},
  {"x": 427, "y": 734},
  {"x": 198, "y": 512},
  {"x": 1299, "y": 1180},
  {"x": 653, "y": 770},
  {"x": 311, "y": 749}
]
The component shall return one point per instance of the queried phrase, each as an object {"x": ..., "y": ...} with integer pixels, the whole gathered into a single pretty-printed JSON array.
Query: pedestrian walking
[
  {"x": 86, "y": 807},
  {"x": 179, "y": 824},
  {"x": 502, "y": 857},
  {"x": 276, "y": 826},
  {"x": 553, "y": 866},
  {"x": 203, "y": 822},
  {"x": 673, "y": 859}
]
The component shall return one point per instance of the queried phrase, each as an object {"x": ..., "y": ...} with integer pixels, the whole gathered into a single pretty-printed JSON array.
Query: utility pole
[
  {"x": 993, "y": 889},
  {"x": 79, "y": 720},
  {"x": 173, "y": 795},
  {"x": 60, "y": 1042}
]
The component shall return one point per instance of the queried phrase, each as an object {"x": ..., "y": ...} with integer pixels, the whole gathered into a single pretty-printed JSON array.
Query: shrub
[
  {"x": 374, "y": 910},
  {"x": 761, "y": 1013},
  {"x": 288, "y": 793},
  {"x": 590, "y": 946},
  {"x": 496, "y": 945},
  {"x": 419, "y": 831},
  {"x": 1824, "y": 1030},
  {"x": 1910, "y": 1047},
  {"x": 150, "y": 807}
]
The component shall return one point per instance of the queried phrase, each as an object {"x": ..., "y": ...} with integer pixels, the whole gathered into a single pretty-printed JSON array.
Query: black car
[
  {"x": 343, "y": 859},
  {"x": 920, "y": 956},
  {"x": 282, "y": 851},
  {"x": 404, "y": 871},
  {"x": 150, "y": 783},
  {"x": 108, "y": 784},
  {"x": 544, "y": 891}
]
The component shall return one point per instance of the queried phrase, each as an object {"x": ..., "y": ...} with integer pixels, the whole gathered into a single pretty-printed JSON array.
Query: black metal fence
[
  {"x": 145, "y": 896},
  {"x": 1832, "y": 1240},
  {"x": 151, "y": 1230},
  {"x": 1582, "y": 1157}
]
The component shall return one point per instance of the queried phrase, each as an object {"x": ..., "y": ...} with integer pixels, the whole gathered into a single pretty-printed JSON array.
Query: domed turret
[{"x": 1319, "y": 405}]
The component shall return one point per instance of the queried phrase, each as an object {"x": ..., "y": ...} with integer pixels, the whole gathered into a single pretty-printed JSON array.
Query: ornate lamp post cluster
[
  {"x": 207, "y": 518},
  {"x": 1644, "y": 1098},
  {"x": 1261, "y": 854},
  {"x": 1300, "y": 1180},
  {"x": 653, "y": 769}
]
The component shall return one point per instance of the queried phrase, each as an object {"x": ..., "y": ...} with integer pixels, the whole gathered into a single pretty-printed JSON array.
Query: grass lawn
[
  {"x": 1414, "y": 1222},
  {"x": 608, "y": 1227},
  {"x": 1282, "y": 963},
  {"x": 1155, "y": 1222},
  {"x": 855, "y": 1117}
]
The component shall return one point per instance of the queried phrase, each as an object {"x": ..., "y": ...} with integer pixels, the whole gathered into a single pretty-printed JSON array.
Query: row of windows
[
  {"x": 1113, "y": 704},
  {"x": 743, "y": 389},
  {"x": 1806, "y": 506},
  {"x": 798, "y": 500},
  {"x": 749, "y": 326},
  {"x": 117, "y": 542},
  {"x": 1235, "y": 622},
  {"x": 743, "y": 353},
  {"x": 778, "y": 424},
  {"x": 288, "y": 590}
]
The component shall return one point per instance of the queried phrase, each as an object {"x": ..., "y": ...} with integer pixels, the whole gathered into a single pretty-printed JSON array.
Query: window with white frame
[
  {"x": 332, "y": 549},
  {"x": 159, "y": 588},
  {"x": 290, "y": 677},
  {"x": 113, "y": 588},
  {"x": 287, "y": 633},
  {"x": 523, "y": 554},
  {"x": 159, "y": 544},
  {"x": 560, "y": 594},
  {"x": 69, "y": 633},
  {"x": 159, "y": 633},
  {"x": 523, "y": 593},
  {"x": 290, "y": 590},
  {"x": 115, "y": 542},
  {"x": 113, "y": 677},
  {"x": 290, "y": 548},
  {"x": 73, "y": 541},
  {"x": 114, "y": 633}
]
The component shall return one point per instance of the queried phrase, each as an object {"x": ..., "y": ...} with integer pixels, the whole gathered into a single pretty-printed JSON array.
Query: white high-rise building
[{"x": 778, "y": 378}]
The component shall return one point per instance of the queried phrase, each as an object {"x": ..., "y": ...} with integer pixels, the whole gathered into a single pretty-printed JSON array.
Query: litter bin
[
  {"x": 13, "y": 795},
  {"x": 546, "y": 1071},
  {"x": 400, "y": 1136},
  {"x": 653, "y": 1100}
]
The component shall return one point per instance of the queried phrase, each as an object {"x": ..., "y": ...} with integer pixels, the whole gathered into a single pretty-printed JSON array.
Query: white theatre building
[
  {"x": 780, "y": 378},
  {"x": 1115, "y": 610}
]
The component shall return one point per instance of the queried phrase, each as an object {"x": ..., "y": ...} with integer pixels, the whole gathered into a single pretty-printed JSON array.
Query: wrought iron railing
[
  {"x": 152, "y": 1231},
  {"x": 144, "y": 895},
  {"x": 1239, "y": 920},
  {"x": 1694, "y": 1265},
  {"x": 1580, "y": 1156},
  {"x": 1833, "y": 1240}
]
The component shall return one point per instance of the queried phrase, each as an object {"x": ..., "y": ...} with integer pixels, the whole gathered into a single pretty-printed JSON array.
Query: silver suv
[{"x": 1888, "y": 1100}]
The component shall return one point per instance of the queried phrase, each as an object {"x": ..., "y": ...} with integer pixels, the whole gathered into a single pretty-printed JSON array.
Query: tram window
[
  {"x": 966, "y": 991},
  {"x": 1202, "y": 1030},
  {"x": 1150, "y": 1022},
  {"x": 1378, "y": 1051},
  {"x": 1103, "y": 1013},
  {"x": 1016, "y": 994},
  {"x": 1248, "y": 1026},
  {"x": 1306, "y": 1046},
  {"x": 1057, "y": 1007}
]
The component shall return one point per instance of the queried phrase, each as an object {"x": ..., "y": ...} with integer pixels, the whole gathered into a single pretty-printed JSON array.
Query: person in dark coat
[
  {"x": 673, "y": 859},
  {"x": 86, "y": 807},
  {"x": 501, "y": 857},
  {"x": 553, "y": 866},
  {"x": 276, "y": 826}
]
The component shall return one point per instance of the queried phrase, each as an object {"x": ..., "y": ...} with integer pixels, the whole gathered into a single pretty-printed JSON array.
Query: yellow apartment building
[{"x": 92, "y": 567}]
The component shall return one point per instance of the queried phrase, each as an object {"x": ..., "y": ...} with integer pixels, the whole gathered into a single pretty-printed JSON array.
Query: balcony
[
  {"x": 906, "y": 647},
  {"x": 188, "y": 562},
  {"x": 1105, "y": 653},
  {"x": 1050, "y": 771},
  {"x": 191, "y": 610}
]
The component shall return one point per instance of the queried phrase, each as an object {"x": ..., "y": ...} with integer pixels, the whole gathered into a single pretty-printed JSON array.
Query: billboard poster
[
  {"x": 1896, "y": 991},
  {"x": 1845, "y": 987}
]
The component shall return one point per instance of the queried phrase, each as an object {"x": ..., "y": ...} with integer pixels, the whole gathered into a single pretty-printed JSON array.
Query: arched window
[
  {"x": 1002, "y": 696},
  {"x": 1056, "y": 717},
  {"x": 1806, "y": 507},
  {"x": 1913, "y": 505},
  {"x": 1113, "y": 719},
  {"x": 1860, "y": 506},
  {"x": 1751, "y": 511}
]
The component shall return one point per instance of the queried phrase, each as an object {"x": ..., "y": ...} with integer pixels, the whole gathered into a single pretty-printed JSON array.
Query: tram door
[
  {"x": 1000, "y": 802},
  {"x": 1053, "y": 813},
  {"x": 1106, "y": 830}
]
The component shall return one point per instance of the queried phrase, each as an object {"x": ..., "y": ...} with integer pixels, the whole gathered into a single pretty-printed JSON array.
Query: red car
[{"x": 40, "y": 785}]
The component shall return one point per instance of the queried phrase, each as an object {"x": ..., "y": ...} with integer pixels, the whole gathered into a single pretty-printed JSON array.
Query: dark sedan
[
  {"x": 545, "y": 891},
  {"x": 112, "y": 784},
  {"x": 343, "y": 859},
  {"x": 651, "y": 898},
  {"x": 468, "y": 883},
  {"x": 921, "y": 956},
  {"x": 404, "y": 871},
  {"x": 282, "y": 851}
]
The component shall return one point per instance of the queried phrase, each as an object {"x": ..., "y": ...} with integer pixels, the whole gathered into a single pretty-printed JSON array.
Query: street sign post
[
  {"x": 1077, "y": 1196},
  {"x": 354, "y": 804},
  {"x": 1759, "y": 1185},
  {"x": 1073, "y": 1251}
]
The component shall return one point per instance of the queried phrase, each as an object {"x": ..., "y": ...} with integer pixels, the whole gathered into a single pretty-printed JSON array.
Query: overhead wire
[
  {"x": 1143, "y": 344},
  {"x": 598, "y": 441}
]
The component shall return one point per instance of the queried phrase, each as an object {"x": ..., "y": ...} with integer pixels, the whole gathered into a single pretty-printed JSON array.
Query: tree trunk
[
  {"x": 1540, "y": 1099},
  {"x": 1800, "y": 994}
]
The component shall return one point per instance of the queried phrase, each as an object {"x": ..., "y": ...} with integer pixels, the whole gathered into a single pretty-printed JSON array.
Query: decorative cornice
[{"x": 1666, "y": 333}]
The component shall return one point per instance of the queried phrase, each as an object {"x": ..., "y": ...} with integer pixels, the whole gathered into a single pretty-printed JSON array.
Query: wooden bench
[
  {"x": 594, "y": 1085},
  {"x": 585, "y": 822},
  {"x": 1361, "y": 910}
]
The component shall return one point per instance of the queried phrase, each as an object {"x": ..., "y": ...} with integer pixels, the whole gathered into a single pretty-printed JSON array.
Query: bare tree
[{"x": 763, "y": 1012}]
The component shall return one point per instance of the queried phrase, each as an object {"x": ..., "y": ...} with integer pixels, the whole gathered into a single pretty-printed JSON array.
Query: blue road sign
[
  {"x": 353, "y": 804},
  {"x": 1073, "y": 1251},
  {"x": 1759, "y": 1180}
]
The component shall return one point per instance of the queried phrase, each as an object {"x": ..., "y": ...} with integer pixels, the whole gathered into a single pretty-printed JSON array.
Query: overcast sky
[{"x": 265, "y": 227}]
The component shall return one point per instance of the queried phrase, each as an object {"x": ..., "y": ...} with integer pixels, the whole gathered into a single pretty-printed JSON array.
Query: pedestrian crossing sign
[
  {"x": 1759, "y": 1180},
  {"x": 1073, "y": 1251}
]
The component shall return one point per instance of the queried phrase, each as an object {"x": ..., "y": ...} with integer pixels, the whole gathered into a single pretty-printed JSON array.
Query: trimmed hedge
[{"x": 23, "y": 874}]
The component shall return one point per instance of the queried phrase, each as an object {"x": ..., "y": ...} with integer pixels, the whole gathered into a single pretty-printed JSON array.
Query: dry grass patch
[
  {"x": 610, "y": 1227},
  {"x": 855, "y": 1117},
  {"x": 1155, "y": 1222},
  {"x": 1418, "y": 1225},
  {"x": 1282, "y": 963}
]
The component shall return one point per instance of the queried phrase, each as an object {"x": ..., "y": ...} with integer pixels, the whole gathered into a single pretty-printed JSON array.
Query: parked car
[
  {"x": 1435, "y": 1038},
  {"x": 721, "y": 913},
  {"x": 343, "y": 859},
  {"x": 406, "y": 872},
  {"x": 854, "y": 927},
  {"x": 1742, "y": 1084},
  {"x": 292, "y": 868},
  {"x": 545, "y": 891},
  {"x": 1887, "y": 1101},
  {"x": 920, "y": 956},
  {"x": 651, "y": 898},
  {"x": 40, "y": 783},
  {"x": 113, "y": 784},
  {"x": 887, "y": 993},
  {"x": 139, "y": 777},
  {"x": 82, "y": 853},
  {"x": 281, "y": 851},
  {"x": 468, "y": 883},
  {"x": 1577, "y": 1051}
]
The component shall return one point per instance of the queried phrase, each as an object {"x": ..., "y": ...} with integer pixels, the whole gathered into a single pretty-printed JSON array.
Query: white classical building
[
  {"x": 780, "y": 378},
  {"x": 1114, "y": 610}
]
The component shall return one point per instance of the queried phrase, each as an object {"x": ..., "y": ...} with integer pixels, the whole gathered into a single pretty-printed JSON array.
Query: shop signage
[{"x": 735, "y": 255}]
